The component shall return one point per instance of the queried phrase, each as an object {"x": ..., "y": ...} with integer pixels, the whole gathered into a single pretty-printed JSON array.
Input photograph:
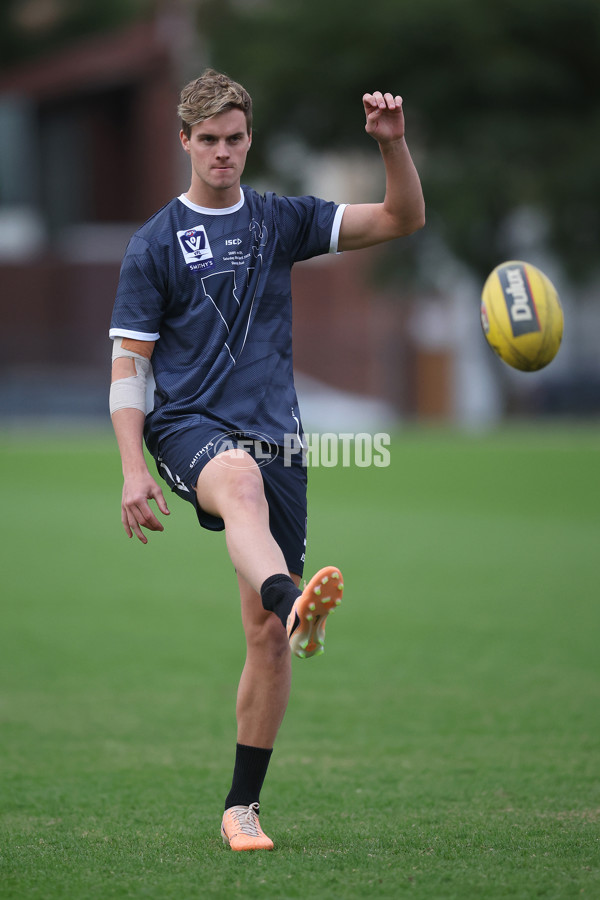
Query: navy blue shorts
[{"x": 183, "y": 455}]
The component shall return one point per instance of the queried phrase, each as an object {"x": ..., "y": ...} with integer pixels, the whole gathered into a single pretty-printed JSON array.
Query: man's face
[{"x": 218, "y": 148}]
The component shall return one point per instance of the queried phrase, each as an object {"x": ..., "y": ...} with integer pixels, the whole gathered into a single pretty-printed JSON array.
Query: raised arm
[
  {"x": 131, "y": 362},
  {"x": 403, "y": 208}
]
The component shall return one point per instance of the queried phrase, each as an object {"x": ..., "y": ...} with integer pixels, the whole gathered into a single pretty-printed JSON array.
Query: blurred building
[{"x": 88, "y": 150}]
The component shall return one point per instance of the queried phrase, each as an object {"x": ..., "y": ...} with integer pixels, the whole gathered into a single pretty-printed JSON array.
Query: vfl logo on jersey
[
  {"x": 196, "y": 248},
  {"x": 519, "y": 302}
]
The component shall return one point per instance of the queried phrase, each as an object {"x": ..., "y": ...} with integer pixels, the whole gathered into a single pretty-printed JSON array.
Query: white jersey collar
[{"x": 208, "y": 211}]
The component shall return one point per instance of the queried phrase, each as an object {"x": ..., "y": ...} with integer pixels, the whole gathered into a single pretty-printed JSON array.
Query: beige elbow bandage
[{"x": 130, "y": 392}]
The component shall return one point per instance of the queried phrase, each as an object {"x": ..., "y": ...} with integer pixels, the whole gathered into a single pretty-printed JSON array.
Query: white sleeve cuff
[
  {"x": 335, "y": 228},
  {"x": 134, "y": 335}
]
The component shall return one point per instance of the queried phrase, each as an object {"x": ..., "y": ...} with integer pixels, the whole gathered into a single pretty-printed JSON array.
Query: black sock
[
  {"x": 278, "y": 594},
  {"x": 251, "y": 764}
]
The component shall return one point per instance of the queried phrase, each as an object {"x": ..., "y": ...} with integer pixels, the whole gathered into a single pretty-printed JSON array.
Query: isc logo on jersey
[{"x": 196, "y": 248}]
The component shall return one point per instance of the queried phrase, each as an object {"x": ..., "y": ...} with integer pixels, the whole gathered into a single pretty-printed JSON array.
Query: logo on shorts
[
  {"x": 176, "y": 482},
  {"x": 196, "y": 250}
]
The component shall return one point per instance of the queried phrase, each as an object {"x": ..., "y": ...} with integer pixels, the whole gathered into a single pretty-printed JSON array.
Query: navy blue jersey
[{"x": 212, "y": 287}]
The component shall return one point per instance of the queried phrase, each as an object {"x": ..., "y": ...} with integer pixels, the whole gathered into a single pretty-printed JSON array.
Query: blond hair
[{"x": 210, "y": 94}]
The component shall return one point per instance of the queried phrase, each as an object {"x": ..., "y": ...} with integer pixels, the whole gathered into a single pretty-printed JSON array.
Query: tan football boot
[
  {"x": 241, "y": 829},
  {"x": 306, "y": 622}
]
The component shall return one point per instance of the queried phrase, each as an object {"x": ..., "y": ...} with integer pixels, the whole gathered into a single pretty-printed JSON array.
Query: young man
[{"x": 204, "y": 298}]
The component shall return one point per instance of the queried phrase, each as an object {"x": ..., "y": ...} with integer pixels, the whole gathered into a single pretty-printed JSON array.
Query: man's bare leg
[
  {"x": 231, "y": 486},
  {"x": 264, "y": 687}
]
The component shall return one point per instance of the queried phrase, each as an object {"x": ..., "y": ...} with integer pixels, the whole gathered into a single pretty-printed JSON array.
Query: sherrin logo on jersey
[{"x": 196, "y": 248}]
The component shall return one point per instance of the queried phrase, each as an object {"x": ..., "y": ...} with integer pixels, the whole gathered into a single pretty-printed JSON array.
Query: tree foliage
[{"x": 501, "y": 101}]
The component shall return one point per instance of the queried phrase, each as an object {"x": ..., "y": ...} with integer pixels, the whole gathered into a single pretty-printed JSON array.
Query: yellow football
[{"x": 521, "y": 315}]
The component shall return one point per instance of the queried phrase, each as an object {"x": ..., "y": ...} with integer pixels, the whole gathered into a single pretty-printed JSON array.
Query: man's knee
[
  {"x": 231, "y": 482},
  {"x": 269, "y": 638},
  {"x": 246, "y": 487}
]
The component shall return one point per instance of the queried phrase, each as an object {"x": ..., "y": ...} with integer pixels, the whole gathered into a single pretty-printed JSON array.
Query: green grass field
[{"x": 446, "y": 746}]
